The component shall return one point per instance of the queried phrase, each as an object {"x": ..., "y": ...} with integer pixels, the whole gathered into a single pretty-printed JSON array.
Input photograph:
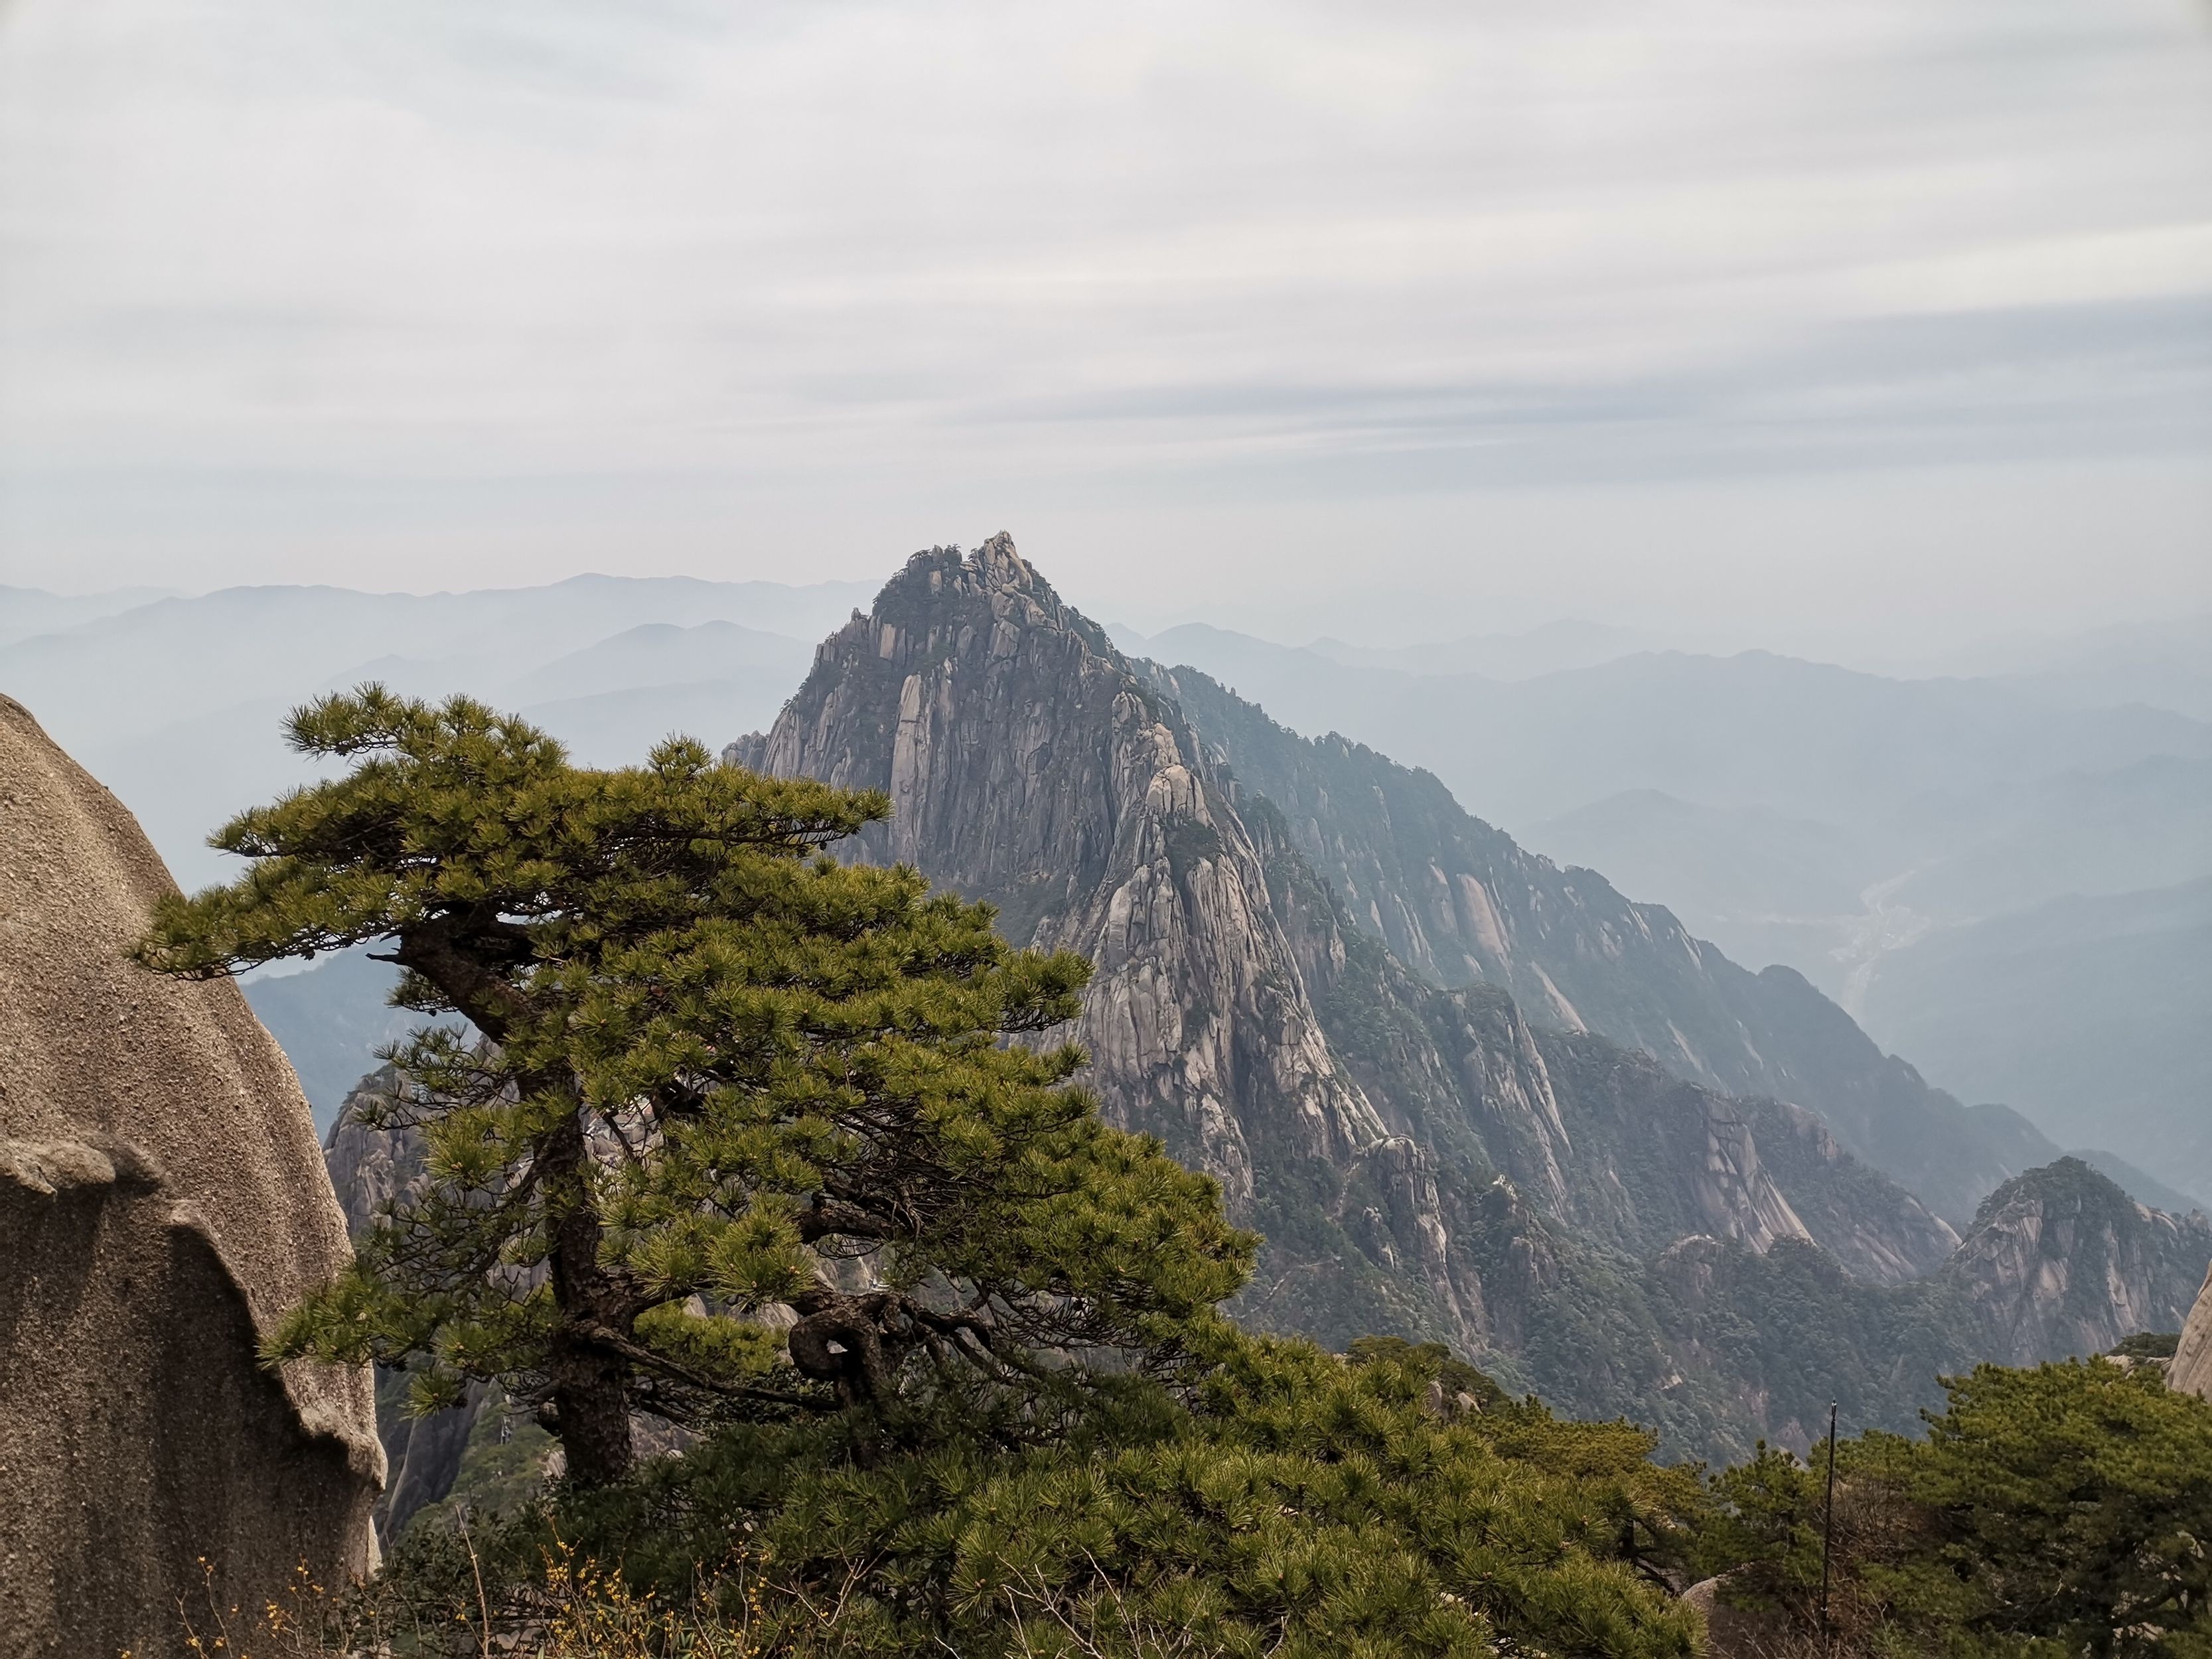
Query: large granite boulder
[
  {"x": 2191, "y": 1369},
  {"x": 162, "y": 1204},
  {"x": 1734, "y": 1633}
]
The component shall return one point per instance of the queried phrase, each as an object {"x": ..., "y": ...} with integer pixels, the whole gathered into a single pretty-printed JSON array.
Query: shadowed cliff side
[
  {"x": 370, "y": 1168},
  {"x": 162, "y": 1204},
  {"x": 1459, "y": 903}
]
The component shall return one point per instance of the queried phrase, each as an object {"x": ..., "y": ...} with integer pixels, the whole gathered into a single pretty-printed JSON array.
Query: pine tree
[
  {"x": 2061, "y": 1509},
  {"x": 738, "y": 1129},
  {"x": 2072, "y": 1507},
  {"x": 1391, "y": 1502}
]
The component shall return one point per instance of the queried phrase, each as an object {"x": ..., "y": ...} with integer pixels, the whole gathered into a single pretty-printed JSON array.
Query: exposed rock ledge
[{"x": 162, "y": 1204}]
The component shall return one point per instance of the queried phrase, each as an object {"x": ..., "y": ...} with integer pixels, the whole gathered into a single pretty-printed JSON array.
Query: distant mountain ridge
[
  {"x": 1461, "y": 901},
  {"x": 663, "y": 653},
  {"x": 2163, "y": 664},
  {"x": 1829, "y": 898},
  {"x": 1805, "y": 738},
  {"x": 176, "y": 703},
  {"x": 25, "y": 611},
  {"x": 1870, "y": 833},
  {"x": 1993, "y": 1005},
  {"x": 212, "y": 650},
  {"x": 1503, "y": 656}
]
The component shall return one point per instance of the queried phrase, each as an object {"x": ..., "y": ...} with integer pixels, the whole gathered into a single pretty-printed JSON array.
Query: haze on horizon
[{"x": 1802, "y": 321}]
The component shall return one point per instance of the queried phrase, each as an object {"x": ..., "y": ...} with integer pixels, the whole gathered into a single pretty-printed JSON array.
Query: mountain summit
[{"x": 1027, "y": 765}]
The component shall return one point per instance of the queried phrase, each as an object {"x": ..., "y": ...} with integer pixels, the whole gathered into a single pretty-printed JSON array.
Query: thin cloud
[{"x": 257, "y": 260}]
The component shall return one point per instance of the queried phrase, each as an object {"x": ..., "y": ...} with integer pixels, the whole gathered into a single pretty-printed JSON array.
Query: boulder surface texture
[
  {"x": 162, "y": 1204},
  {"x": 2191, "y": 1371}
]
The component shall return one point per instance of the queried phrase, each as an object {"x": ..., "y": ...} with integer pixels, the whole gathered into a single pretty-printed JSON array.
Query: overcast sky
[{"x": 1893, "y": 313}]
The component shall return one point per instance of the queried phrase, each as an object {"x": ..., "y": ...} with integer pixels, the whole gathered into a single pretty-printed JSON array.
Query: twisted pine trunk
[{"x": 590, "y": 1381}]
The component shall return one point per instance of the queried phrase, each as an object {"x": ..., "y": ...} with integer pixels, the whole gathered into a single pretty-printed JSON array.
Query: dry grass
[
  {"x": 578, "y": 1609},
  {"x": 308, "y": 1620}
]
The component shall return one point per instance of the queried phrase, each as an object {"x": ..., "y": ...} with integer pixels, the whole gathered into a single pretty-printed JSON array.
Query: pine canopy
[{"x": 737, "y": 1129}]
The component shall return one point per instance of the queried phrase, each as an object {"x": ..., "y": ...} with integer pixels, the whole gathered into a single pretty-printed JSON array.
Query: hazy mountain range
[
  {"x": 176, "y": 704},
  {"x": 1973, "y": 866},
  {"x": 25, "y": 611},
  {"x": 2166, "y": 664},
  {"x": 1869, "y": 832}
]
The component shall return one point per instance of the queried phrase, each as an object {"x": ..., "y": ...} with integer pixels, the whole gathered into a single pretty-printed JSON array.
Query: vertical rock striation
[
  {"x": 2061, "y": 1262},
  {"x": 370, "y": 1169},
  {"x": 1027, "y": 766},
  {"x": 2191, "y": 1369},
  {"x": 1459, "y": 903},
  {"x": 162, "y": 1204}
]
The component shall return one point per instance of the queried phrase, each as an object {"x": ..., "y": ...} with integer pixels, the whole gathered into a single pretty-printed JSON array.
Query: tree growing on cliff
[{"x": 739, "y": 1130}]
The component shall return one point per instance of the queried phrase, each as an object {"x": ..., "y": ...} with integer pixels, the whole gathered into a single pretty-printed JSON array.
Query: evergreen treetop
[
  {"x": 740, "y": 1129},
  {"x": 2058, "y": 1510}
]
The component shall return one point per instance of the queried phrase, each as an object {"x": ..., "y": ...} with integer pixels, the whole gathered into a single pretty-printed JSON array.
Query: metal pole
[{"x": 1828, "y": 1531}]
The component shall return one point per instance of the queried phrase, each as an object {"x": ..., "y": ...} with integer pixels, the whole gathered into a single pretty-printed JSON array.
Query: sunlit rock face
[
  {"x": 2191, "y": 1369},
  {"x": 2061, "y": 1262},
  {"x": 162, "y": 1204},
  {"x": 1026, "y": 765}
]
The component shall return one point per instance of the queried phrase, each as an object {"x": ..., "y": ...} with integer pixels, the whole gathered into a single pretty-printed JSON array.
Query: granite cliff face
[
  {"x": 1422, "y": 1157},
  {"x": 1599, "y": 1137},
  {"x": 370, "y": 1168},
  {"x": 2061, "y": 1262},
  {"x": 161, "y": 1205},
  {"x": 1460, "y": 903},
  {"x": 2191, "y": 1369},
  {"x": 1027, "y": 766}
]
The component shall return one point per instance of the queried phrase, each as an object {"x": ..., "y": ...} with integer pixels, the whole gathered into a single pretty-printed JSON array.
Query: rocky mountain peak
[
  {"x": 1027, "y": 765},
  {"x": 993, "y": 567},
  {"x": 941, "y": 590},
  {"x": 2061, "y": 1260}
]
